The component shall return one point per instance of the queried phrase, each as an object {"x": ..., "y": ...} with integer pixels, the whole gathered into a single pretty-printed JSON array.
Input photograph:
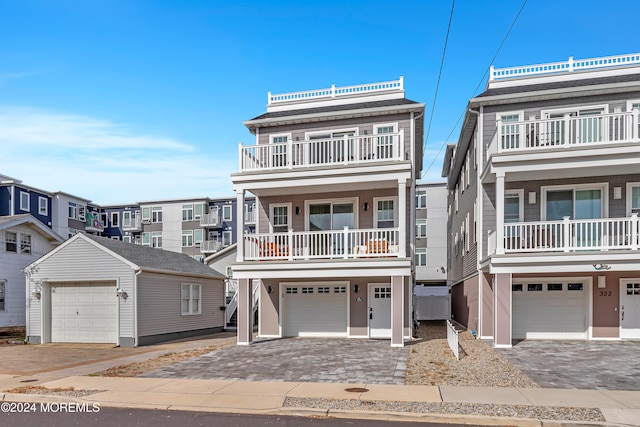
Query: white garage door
[
  {"x": 550, "y": 310},
  {"x": 314, "y": 310},
  {"x": 84, "y": 313}
]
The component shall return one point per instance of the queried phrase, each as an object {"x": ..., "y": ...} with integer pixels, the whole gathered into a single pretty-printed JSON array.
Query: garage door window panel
[{"x": 554, "y": 286}]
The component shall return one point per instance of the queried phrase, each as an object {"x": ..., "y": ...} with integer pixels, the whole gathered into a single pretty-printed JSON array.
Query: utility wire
[
  {"x": 475, "y": 91},
  {"x": 435, "y": 95}
]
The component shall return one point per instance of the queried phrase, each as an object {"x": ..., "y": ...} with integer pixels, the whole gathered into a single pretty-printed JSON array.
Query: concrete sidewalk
[{"x": 618, "y": 407}]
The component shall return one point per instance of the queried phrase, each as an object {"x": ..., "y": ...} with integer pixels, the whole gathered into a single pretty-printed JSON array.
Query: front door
[
  {"x": 630, "y": 308},
  {"x": 380, "y": 311}
]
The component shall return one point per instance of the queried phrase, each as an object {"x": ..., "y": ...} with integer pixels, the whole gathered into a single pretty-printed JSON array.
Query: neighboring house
[
  {"x": 95, "y": 289},
  {"x": 17, "y": 198},
  {"x": 24, "y": 239},
  {"x": 72, "y": 214},
  {"x": 432, "y": 299},
  {"x": 544, "y": 192},
  {"x": 334, "y": 173}
]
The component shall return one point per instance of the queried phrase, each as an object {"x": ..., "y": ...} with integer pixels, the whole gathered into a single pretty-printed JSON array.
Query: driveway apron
[
  {"x": 298, "y": 359},
  {"x": 578, "y": 364}
]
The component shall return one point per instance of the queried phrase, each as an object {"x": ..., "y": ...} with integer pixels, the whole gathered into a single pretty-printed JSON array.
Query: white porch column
[
  {"x": 397, "y": 311},
  {"x": 240, "y": 225},
  {"x": 402, "y": 217},
  {"x": 245, "y": 328},
  {"x": 499, "y": 212}
]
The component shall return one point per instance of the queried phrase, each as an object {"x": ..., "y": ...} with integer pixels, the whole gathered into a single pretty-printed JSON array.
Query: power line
[
  {"x": 435, "y": 95},
  {"x": 477, "y": 87}
]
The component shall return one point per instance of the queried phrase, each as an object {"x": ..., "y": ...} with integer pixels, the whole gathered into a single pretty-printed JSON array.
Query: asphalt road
[{"x": 54, "y": 416}]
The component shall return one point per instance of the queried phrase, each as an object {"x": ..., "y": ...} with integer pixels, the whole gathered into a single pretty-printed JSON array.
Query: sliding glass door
[
  {"x": 328, "y": 216},
  {"x": 579, "y": 205}
]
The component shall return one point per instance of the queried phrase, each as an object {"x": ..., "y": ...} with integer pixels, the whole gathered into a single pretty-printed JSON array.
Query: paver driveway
[
  {"x": 579, "y": 364},
  {"x": 298, "y": 359}
]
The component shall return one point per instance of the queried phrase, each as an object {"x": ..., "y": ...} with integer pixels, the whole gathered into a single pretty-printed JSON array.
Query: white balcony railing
[
  {"x": 134, "y": 224},
  {"x": 211, "y": 219},
  {"x": 569, "y": 235},
  {"x": 564, "y": 66},
  {"x": 249, "y": 217},
  {"x": 210, "y": 246},
  {"x": 333, "y": 92},
  {"x": 333, "y": 244},
  {"x": 567, "y": 131},
  {"x": 348, "y": 150}
]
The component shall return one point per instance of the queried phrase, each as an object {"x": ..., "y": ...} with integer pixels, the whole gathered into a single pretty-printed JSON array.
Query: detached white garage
[
  {"x": 97, "y": 290},
  {"x": 314, "y": 310},
  {"x": 550, "y": 309}
]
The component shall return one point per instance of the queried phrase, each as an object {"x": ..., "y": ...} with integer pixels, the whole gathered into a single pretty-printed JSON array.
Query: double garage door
[
  {"x": 84, "y": 312},
  {"x": 314, "y": 310},
  {"x": 549, "y": 309}
]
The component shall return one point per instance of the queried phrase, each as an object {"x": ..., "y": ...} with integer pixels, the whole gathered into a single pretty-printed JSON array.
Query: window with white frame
[
  {"x": 73, "y": 210},
  {"x": 475, "y": 222},
  {"x": 576, "y": 202},
  {"x": 156, "y": 239},
  {"x": 187, "y": 213},
  {"x": 126, "y": 238},
  {"x": 187, "y": 238},
  {"x": 455, "y": 198},
  {"x": 584, "y": 123},
  {"x": 115, "y": 237},
  {"x": 386, "y": 213},
  {"x": 226, "y": 238},
  {"x": 421, "y": 257},
  {"x": 156, "y": 214},
  {"x": 11, "y": 242},
  {"x": 510, "y": 130},
  {"x": 421, "y": 228},
  {"x": 198, "y": 236},
  {"x": 229, "y": 271},
  {"x": 635, "y": 105},
  {"x": 633, "y": 198},
  {"x": 227, "y": 213},
  {"x": 126, "y": 219},
  {"x": 467, "y": 236},
  {"x": 279, "y": 154},
  {"x": 115, "y": 219},
  {"x": 43, "y": 205},
  {"x": 513, "y": 206},
  {"x": 463, "y": 237},
  {"x": 384, "y": 140},
  {"x": 3, "y": 286},
  {"x": 146, "y": 239},
  {"x": 199, "y": 258},
  {"x": 198, "y": 210},
  {"x": 82, "y": 213},
  {"x": 280, "y": 217},
  {"x": 72, "y": 232},
  {"x": 421, "y": 199},
  {"x": 190, "y": 298},
  {"x": 466, "y": 168},
  {"x": 331, "y": 146},
  {"x": 146, "y": 213},
  {"x": 25, "y": 244},
  {"x": 24, "y": 201}
]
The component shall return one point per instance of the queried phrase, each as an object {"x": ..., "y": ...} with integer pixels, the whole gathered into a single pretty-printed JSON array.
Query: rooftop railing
[
  {"x": 335, "y": 91},
  {"x": 564, "y": 66}
]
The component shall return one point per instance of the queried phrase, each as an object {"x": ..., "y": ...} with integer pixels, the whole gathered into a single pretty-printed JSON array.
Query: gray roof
[
  {"x": 158, "y": 259},
  {"x": 560, "y": 85},
  {"x": 332, "y": 108}
]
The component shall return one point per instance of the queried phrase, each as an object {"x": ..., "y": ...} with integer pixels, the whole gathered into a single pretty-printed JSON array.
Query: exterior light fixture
[
  {"x": 365, "y": 206},
  {"x": 356, "y": 288},
  {"x": 121, "y": 294},
  {"x": 297, "y": 210},
  {"x": 600, "y": 267},
  {"x": 269, "y": 289}
]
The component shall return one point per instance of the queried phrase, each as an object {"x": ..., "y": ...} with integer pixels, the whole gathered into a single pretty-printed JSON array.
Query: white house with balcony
[
  {"x": 333, "y": 171},
  {"x": 544, "y": 192}
]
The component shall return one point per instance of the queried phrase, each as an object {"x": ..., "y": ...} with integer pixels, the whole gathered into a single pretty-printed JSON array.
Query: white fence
[{"x": 452, "y": 339}]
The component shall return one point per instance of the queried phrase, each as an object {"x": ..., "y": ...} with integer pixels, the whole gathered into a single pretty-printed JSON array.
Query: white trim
[
  {"x": 308, "y": 135},
  {"x": 377, "y": 126},
  {"x": 575, "y": 109},
  {"x": 502, "y": 345},
  {"x": 602, "y": 186},
  {"x": 28, "y": 199},
  {"x": 395, "y": 210},
  {"x": 520, "y": 193},
  {"x": 289, "y": 207},
  {"x": 630, "y": 185},
  {"x": 46, "y": 206},
  {"x": 224, "y": 218}
]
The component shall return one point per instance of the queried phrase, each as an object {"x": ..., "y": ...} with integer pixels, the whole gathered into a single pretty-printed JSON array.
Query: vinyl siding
[
  {"x": 159, "y": 308},
  {"x": 11, "y": 270},
  {"x": 81, "y": 261}
]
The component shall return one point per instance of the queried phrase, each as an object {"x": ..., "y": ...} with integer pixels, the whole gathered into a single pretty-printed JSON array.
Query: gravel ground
[
  {"x": 431, "y": 361},
  {"x": 516, "y": 411},
  {"x": 65, "y": 392}
]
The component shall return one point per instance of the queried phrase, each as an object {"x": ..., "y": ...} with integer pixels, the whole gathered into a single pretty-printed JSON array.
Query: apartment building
[
  {"x": 334, "y": 174},
  {"x": 544, "y": 192},
  {"x": 431, "y": 234}
]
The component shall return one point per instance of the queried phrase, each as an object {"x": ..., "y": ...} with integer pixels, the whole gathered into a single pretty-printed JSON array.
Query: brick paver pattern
[{"x": 360, "y": 361}]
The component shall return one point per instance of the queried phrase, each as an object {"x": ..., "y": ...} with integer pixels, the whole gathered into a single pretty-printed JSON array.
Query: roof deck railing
[
  {"x": 568, "y": 66},
  {"x": 335, "y": 92}
]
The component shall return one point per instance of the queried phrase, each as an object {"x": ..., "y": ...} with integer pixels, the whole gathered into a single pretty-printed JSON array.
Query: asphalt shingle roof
[
  {"x": 144, "y": 256},
  {"x": 560, "y": 85},
  {"x": 332, "y": 108}
]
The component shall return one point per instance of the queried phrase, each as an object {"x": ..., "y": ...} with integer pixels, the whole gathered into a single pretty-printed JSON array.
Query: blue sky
[{"x": 123, "y": 101}]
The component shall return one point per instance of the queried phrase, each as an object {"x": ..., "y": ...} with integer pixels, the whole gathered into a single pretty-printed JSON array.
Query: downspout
[
  {"x": 27, "y": 303},
  {"x": 137, "y": 270}
]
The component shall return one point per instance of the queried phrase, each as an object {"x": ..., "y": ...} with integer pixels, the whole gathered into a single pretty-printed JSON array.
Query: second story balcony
[
  {"x": 132, "y": 224},
  {"x": 568, "y": 235},
  {"x": 331, "y": 244},
  {"x": 211, "y": 219},
  {"x": 346, "y": 150},
  {"x": 210, "y": 246},
  {"x": 564, "y": 131}
]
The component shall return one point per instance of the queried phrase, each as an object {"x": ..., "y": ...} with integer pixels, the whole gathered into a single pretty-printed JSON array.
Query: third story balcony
[{"x": 345, "y": 150}]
